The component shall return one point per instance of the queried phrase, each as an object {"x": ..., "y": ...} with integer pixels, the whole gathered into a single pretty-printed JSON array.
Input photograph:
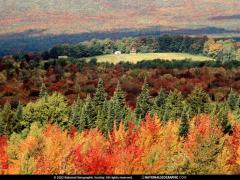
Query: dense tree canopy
[{"x": 68, "y": 116}]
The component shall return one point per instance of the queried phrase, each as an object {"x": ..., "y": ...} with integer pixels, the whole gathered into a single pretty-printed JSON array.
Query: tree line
[
  {"x": 223, "y": 50},
  {"x": 102, "y": 112},
  {"x": 149, "y": 44},
  {"x": 146, "y": 44}
]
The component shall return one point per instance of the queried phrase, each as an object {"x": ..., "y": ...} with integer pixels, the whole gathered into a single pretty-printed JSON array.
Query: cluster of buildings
[{"x": 133, "y": 51}]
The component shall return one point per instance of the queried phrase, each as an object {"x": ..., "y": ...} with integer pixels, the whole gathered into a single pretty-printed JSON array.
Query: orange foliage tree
[
  {"x": 3, "y": 155},
  {"x": 153, "y": 147},
  {"x": 232, "y": 151}
]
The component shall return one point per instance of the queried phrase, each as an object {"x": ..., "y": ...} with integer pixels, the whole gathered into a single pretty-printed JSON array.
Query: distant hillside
[
  {"x": 79, "y": 16},
  {"x": 39, "y": 25},
  {"x": 36, "y": 40}
]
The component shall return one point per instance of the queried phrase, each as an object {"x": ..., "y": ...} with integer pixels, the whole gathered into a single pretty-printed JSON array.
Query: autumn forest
[{"x": 63, "y": 114}]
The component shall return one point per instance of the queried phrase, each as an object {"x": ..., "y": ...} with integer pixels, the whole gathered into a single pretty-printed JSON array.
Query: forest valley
[{"x": 72, "y": 116}]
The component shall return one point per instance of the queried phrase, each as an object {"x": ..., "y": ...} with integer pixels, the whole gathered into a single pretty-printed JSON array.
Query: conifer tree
[
  {"x": 43, "y": 91},
  {"x": 88, "y": 115},
  {"x": 159, "y": 103},
  {"x": 130, "y": 116},
  {"x": 184, "y": 125},
  {"x": 143, "y": 104},
  {"x": 236, "y": 113},
  {"x": 83, "y": 120},
  {"x": 101, "y": 122},
  {"x": 198, "y": 101},
  {"x": 233, "y": 99},
  {"x": 7, "y": 119},
  {"x": 100, "y": 95},
  {"x": 173, "y": 106},
  {"x": 74, "y": 116},
  {"x": 76, "y": 113},
  {"x": 222, "y": 115},
  {"x": 165, "y": 114},
  {"x": 18, "y": 117},
  {"x": 160, "y": 99},
  {"x": 110, "y": 116},
  {"x": 213, "y": 108},
  {"x": 119, "y": 104}
]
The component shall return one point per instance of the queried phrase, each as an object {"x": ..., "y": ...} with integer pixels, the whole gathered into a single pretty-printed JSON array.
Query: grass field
[{"x": 134, "y": 58}]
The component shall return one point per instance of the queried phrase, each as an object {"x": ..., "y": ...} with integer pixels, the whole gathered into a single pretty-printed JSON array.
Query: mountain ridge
[
  {"x": 80, "y": 16},
  {"x": 37, "y": 40}
]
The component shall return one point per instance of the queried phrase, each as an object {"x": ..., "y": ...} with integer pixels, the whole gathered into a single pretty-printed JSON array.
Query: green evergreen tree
[
  {"x": 83, "y": 120},
  {"x": 143, "y": 104},
  {"x": 100, "y": 95},
  {"x": 198, "y": 101},
  {"x": 18, "y": 117},
  {"x": 43, "y": 91},
  {"x": 76, "y": 113},
  {"x": 164, "y": 116},
  {"x": 74, "y": 116},
  {"x": 160, "y": 99},
  {"x": 233, "y": 99},
  {"x": 88, "y": 115},
  {"x": 119, "y": 104},
  {"x": 110, "y": 117},
  {"x": 222, "y": 115},
  {"x": 130, "y": 116},
  {"x": 213, "y": 109},
  {"x": 184, "y": 126},
  {"x": 159, "y": 102},
  {"x": 173, "y": 106},
  {"x": 7, "y": 119},
  {"x": 101, "y": 122},
  {"x": 236, "y": 113}
]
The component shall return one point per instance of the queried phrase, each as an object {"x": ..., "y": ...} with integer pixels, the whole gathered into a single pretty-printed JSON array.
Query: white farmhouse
[
  {"x": 118, "y": 52},
  {"x": 62, "y": 57}
]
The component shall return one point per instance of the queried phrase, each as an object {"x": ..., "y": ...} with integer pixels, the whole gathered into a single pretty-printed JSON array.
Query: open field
[{"x": 134, "y": 58}]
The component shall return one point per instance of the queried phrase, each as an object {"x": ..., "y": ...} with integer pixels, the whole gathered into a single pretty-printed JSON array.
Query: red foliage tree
[{"x": 3, "y": 155}]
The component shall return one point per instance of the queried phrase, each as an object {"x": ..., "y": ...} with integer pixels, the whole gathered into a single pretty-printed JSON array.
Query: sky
[{"x": 77, "y": 16}]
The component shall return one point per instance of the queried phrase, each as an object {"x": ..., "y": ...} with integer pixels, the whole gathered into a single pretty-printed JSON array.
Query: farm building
[
  {"x": 62, "y": 57},
  {"x": 133, "y": 51},
  {"x": 118, "y": 52}
]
